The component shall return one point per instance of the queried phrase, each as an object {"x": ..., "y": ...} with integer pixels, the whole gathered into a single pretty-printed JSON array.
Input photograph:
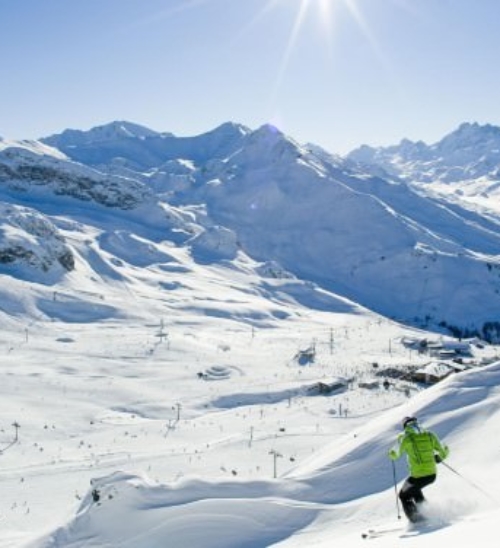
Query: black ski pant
[{"x": 411, "y": 494}]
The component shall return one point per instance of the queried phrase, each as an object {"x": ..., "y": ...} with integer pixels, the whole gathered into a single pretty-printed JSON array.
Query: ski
[
  {"x": 380, "y": 532},
  {"x": 409, "y": 527}
]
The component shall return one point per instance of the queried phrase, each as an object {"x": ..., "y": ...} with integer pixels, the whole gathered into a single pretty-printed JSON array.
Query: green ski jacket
[{"x": 421, "y": 448}]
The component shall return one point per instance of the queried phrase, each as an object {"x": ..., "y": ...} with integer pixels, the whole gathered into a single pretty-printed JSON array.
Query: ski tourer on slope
[{"x": 423, "y": 450}]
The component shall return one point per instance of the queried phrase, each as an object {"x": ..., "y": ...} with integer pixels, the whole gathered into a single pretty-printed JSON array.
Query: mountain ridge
[
  {"x": 142, "y": 147},
  {"x": 234, "y": 192},
  {"x": 467, "y": 153}
]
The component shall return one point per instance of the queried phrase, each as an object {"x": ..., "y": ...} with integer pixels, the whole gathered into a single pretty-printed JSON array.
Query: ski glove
[
  {"x": 445, "y": 453},
  {"x": 393, "y": 454}
]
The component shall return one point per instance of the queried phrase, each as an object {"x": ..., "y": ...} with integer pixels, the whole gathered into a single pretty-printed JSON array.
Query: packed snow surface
[{"x": 189, "y": 359}]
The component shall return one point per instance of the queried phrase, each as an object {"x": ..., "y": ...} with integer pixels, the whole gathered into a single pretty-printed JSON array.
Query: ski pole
[
  {"x": 395, "y": 488},
  {"x": 469, "y": 481}
]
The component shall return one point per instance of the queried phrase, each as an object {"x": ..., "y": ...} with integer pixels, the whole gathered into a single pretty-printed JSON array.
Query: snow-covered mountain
[
  {"x": 466, "y": 155},
  {"x": 128, "y": 145},
  {"x": 188, "y": 359},
  {"x": 233, "y": 192},
  {"x": 32, "y": 168}
]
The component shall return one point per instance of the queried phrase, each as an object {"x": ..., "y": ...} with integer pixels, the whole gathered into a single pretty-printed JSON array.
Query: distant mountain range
[
  {"x": 469, "y": 155},
  {"x": 410, "y": 231}
]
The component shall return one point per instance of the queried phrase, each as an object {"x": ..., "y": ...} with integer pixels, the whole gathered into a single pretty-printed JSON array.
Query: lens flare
[{"x": 329, "y": 15}]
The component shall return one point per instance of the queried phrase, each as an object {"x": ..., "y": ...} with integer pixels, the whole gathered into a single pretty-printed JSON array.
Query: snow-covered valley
[{"x": 218, "y": 352}]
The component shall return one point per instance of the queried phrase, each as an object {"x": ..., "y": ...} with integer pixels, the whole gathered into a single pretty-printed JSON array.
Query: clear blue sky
[{"x": 338, "y": 73}]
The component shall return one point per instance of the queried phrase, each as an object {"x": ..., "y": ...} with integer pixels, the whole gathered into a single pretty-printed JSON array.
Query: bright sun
[{"x": 327, "y": 14}]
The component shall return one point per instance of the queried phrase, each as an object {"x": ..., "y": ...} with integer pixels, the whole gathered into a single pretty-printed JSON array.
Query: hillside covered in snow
[
  {"x": 211, "y": 341},
  {"x": 465, "y": 162},
  {"x": 233, "y": 192}
]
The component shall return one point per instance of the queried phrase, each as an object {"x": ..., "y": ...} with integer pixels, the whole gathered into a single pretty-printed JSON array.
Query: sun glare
[
  {"x": 328, "y": 15},
  {"x": 325, "y": 12}
]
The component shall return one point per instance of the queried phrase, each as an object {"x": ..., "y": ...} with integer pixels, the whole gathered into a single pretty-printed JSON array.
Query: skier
[{"x": 423, "y": 450}]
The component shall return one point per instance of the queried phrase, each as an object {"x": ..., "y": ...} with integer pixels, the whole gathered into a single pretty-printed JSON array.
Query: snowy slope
[
  {"x": 31, "y": 171},
  {"x": 332, "y": 497},
  {"x": 402, "y": 253},
  {"x": 127, "y": 144},
  {"x": 164, "y": 390},
  {"x": 102, "y": 374},
  {"x": 465, "y": 162}
]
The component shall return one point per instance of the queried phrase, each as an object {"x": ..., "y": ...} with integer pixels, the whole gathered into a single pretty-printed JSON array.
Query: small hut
[{"x": 433, "y": 372}]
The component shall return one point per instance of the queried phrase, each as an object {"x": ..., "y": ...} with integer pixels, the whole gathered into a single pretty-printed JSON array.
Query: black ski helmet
[{"x": 409, "y": 420}]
